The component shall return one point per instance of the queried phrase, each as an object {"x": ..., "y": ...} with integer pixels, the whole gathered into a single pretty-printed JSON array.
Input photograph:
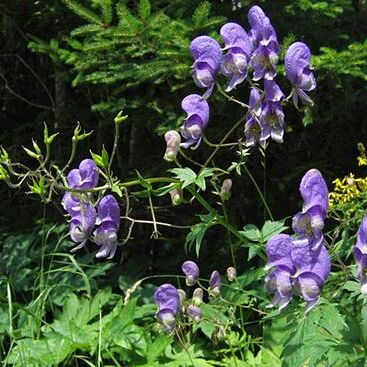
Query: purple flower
[
  {"x": 272, "y": 115},
  {"x": 197, "y": 110},
  {"x": 84, "y": 177},
  {"x": 168, "y": 301},
  {"x": 264, "y": 44},
  {"x": 278, "y": 251},
  {"x": 235, "y": 62},
  {"x": 360, "y": 255},
  {"x": 109, "y": 222},
  {"x": 191, "y": 270},
  {"x": 252, "y": 126},
  {"x": 71, "y": 203},
  {"x": 312, "y": 270},
  {"x": 214, "y": 283},
  {"x": 298, "y": 69},
  {"x": 173, "y": 140},
  {"x": 194, "y": 312},
  {"x": 310, "y": 222},
  {"x": 207, "y": 57},
  {"x": 279, "y": 283},
  {"x": 82, "y": 224}
]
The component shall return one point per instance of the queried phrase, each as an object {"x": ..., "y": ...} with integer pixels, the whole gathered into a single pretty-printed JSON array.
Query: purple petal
[
  {"x": 278, "y": 250},
  {"x": 191, "y": 270},
  {"x": 166, "y": 297},
  {"x": 109, "y": 211},
  {"x": 314, "y": 191},
  {"x": 215, "y": 280}
]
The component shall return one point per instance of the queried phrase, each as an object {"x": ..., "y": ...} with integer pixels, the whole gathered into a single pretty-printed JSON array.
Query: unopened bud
[
  {"x": 195, "y": 313},
  {"x": 221, "y": 333},
  {"x": 182, "y": 296},
  {"x": 173, "y": 140},
  {"x": 225, "y": 190},
  {"x": 197, "y": 297},
  {"x": 176, "y": 196},
  {"x": 231, "y": 274},
  {"x": 120, "y": 118},
  {"x": 214, "y": 284}
]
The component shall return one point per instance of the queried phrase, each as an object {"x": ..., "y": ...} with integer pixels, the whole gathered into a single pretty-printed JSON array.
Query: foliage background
[{"x": 60, "y": 63}]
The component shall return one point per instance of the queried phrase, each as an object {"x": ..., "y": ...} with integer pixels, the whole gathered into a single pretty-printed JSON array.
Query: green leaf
[
  {"x": 197, "y": 234},
  {"x": 252, "y": 233},
  {"x": 270, "y": 229},
  {"x": 186, "y": 175},
  {"x": 200, "y": 180}
]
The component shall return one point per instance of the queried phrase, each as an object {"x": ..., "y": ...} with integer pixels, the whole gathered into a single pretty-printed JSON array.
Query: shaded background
[{"x": 59, "y": 66}]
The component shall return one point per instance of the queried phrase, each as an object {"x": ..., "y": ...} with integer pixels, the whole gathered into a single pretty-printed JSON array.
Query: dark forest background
[{"x": 63, "y": 62}]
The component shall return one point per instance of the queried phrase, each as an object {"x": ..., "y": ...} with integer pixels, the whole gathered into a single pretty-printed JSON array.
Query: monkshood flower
[
  {"x": 272, "y": 115},
  {"x": 235, "y": 61},
  {"x": 82, "y": 224},
  {"x": 173, "y": 141},
  {"x": 264, "y": 44},
  {"x": 279, "y": 282},
  {"x": 214, "y": 283},
  {"x": 108, "y": 222},
  {"x": 298, "y": 69},
  {"x": 191, "y": 270},
  {"x": 360, "y": 255},
  {"x": 312, "y": 270},
  {"x": 194, "y": 312},
  {"x": 252, "y": 126},
  {"x": 84, "y": 177},
  {"x": 207, "y": 58},
  {"x": 310, "y": 222},
  {"x": 197, "y": 110},
  {"x": 168, "y": 301}
]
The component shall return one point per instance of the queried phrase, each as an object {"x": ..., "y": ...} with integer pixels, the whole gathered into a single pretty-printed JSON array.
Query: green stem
[
  {"x": 259, "y": 192},
  {"x": 115, "y": 145},
  {"x": 233, "y": 128}
]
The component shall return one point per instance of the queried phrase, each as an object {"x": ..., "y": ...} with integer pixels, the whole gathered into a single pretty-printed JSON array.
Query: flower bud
[
  {"x": 176, "y": 196},
  {"x": 214, "y": 284},
  {"x": 173, "y": 140},
  {"x": 197, "y": 297},
  {"x": 225, "y": 190},
  {"x": 194, "y": 312},
  {"x": 182, "y": 296},
  {"x": 191, "y": 270},
  {"x": 221, "y": 333},
  {"x": 231, "y": 274}
]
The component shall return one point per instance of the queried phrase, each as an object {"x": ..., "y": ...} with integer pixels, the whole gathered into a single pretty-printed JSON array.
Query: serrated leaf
[
  {"x": 186, "y": 175},
  {"x": 251, "y": 232},
  {"x": 270, "y": 229}
]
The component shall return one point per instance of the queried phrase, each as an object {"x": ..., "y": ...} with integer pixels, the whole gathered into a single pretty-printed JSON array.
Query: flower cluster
[
  {"x": 170, "y": 300},
  {"x": 301, "y": 265},
  {"x": 84, "y": 216},
  {"x": 256, "y": 51},
  {"x": 360, "y": 255}
]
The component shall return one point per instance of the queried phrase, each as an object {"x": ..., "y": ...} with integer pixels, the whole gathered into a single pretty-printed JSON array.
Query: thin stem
[
  {"x": 155, "y": 232},
  {"x": 233, "y": 128},
  {"x": 189, "y": 159},
  {"x": 115, "y": 145},
  {"x": 259, "y": 192},
  {"x": 230, "y": 98},
  {"x": 158, "y": 223},
  {"x": 222, "y": 145}
]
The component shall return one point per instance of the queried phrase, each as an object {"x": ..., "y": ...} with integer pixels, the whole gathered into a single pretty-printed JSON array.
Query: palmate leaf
[{"x": 314, "y": 336}]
